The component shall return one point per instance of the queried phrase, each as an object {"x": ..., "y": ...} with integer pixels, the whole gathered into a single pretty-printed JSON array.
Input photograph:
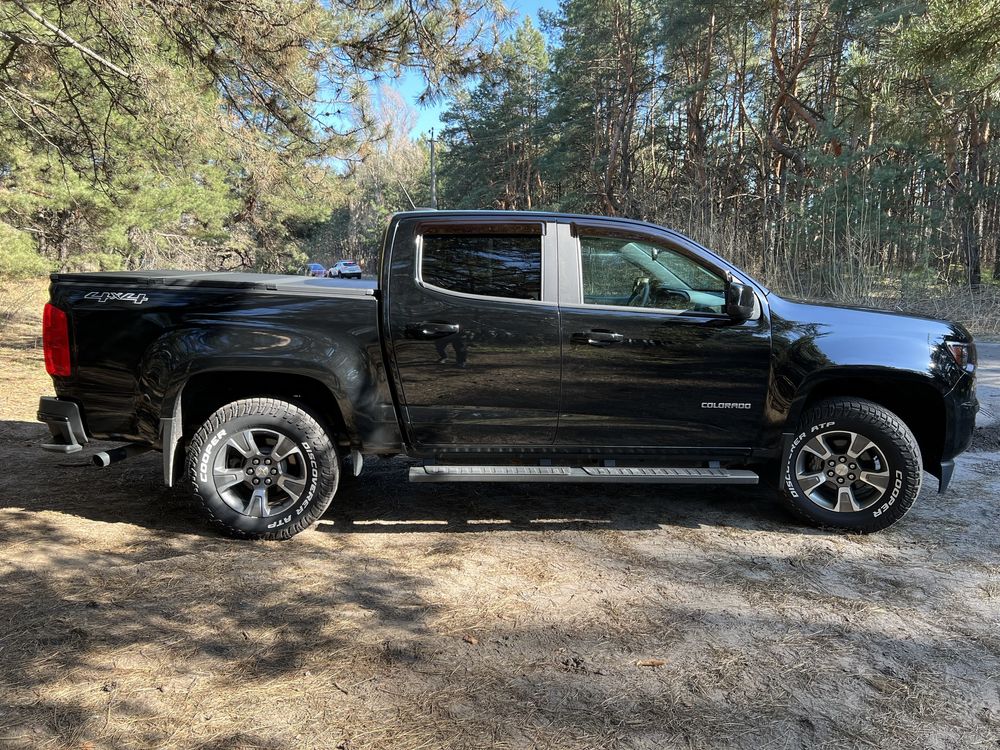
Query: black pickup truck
[{"x": 511, "y": 347}]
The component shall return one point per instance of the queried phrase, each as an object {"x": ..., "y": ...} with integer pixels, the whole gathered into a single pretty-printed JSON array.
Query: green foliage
[
  {"x": 812, "y": 142},
  {"x": 151, "y": 133},
  {"x": 497, "y": 128},
  {"x": 18, "y": 258},
  {"x": 392, "y": 173},
  {"x": 954, "y": 37}
]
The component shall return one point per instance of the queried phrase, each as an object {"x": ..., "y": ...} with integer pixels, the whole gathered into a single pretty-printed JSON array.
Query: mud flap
[{"x": 947, "y": 469}]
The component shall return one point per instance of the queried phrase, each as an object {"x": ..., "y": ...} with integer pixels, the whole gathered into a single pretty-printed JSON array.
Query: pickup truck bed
[{"x": 138, "y": 342}]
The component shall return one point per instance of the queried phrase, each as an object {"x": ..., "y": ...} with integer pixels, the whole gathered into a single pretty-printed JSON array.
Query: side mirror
[{"x": 740, "y": 302}]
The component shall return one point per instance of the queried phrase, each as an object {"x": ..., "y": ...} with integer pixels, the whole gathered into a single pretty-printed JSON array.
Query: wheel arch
[
  {"x": 915, "y": 401},
  {"x": 197, "y": 397}
]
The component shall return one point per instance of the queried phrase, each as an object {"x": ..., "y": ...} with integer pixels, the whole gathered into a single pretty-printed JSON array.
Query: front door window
[{"x": 632, "y": 273}]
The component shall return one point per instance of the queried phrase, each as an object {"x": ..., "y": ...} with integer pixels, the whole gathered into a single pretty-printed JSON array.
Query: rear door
[
  {"x": 474, "y": 331},
  {"x": 649, "y": 356}
]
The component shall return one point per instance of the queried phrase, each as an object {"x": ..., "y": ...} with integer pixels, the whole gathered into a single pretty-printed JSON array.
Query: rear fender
[{"x": 348, "y": 368}]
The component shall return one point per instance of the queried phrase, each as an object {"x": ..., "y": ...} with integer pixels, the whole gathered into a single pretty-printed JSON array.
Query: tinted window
[
  {"x": 632, "y": 273},
  {"x": 488, "y": 265}
]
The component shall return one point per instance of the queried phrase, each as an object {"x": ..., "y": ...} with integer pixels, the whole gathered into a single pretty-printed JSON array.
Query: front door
[
  {"x": 474, "y": 331},
  {"x": 649, "y": 356}
]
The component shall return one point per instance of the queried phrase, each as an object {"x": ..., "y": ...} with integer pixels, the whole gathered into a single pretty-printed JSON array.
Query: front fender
[{"x": 830, "y": 379}]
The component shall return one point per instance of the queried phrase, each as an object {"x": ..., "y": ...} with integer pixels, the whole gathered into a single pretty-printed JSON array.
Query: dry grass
[
  {"x": 417, "y": 616},
  {"x": 127, "y": 627},
  {"x": 22, "y": 374},
  {"x": 857, "y": 275},
  {"x": 978, "y": 311}
]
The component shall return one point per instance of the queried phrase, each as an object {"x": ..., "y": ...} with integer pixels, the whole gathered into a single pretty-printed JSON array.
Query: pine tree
[{"x": 495, "y": 133}]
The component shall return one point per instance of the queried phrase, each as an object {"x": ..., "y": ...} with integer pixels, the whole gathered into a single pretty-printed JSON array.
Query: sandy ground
[{"x": 464, "y": 616}]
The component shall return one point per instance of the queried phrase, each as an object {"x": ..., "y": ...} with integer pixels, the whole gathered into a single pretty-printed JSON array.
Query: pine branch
[{"x": 70, "y": 40}]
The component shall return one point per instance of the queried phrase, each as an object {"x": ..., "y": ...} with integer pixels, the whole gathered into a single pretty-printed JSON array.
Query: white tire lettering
[{"x": 206, "y": 455}]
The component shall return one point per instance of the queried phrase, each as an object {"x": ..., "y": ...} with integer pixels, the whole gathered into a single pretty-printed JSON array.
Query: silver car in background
[{"x": 345, "y": 269}]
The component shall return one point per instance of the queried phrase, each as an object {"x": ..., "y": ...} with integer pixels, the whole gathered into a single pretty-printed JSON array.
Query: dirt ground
[{"x": 464, "y": 616}]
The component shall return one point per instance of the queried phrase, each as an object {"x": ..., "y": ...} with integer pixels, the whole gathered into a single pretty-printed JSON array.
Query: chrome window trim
[
  {"x": 570, "y": 275},
  {"x": 679, "y": 313}
]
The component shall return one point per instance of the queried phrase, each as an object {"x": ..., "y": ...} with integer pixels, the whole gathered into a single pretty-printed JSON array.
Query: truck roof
[{"x": 522, "y": 214}]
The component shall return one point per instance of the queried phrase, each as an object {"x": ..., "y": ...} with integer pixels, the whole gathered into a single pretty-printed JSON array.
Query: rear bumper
[{"x": 65, "y": 423}]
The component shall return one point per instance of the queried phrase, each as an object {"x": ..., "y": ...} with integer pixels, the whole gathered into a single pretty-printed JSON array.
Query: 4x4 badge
[{"x": 132, "y": 297}]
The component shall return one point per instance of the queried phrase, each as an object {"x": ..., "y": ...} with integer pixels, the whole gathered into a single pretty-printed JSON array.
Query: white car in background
[{"x": 345, "y": 269}]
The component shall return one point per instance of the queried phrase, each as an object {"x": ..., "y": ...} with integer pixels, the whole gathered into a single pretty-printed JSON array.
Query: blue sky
[{"x": 410, "y": 85}]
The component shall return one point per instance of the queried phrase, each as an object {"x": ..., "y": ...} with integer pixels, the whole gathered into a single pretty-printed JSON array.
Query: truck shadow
[{"x": 381, "y": 500}]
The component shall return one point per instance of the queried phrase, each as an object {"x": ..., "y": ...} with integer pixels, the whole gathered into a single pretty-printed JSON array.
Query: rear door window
[{"x": 486, "y": 265}]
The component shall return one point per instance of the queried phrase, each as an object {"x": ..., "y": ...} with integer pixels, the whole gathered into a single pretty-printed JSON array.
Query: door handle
[
  {"x": 433, "y": 329},
  {"x": 597, "y": 337}
]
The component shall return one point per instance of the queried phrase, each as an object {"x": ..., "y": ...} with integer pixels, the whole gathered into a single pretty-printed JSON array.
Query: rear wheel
[
  {"x": 263, "y": 468},
  {"x": 853, "y": 465}
]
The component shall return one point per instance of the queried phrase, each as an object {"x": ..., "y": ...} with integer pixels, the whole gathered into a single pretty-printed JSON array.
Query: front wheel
[
  {"x": 263, "y": 468},
  {"x": 852, "y": 465}
]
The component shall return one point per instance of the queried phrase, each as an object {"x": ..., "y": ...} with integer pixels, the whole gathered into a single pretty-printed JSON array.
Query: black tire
[
  {"x": 300, "y": 482},
  {"x": 843, "y": 489}
]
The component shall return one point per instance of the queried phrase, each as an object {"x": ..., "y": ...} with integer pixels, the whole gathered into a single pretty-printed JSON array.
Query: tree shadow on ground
[
  {"x": 125, "y": 625},
  {"x": 337, "y": 644},
  {"x": 380, "y": 500}
]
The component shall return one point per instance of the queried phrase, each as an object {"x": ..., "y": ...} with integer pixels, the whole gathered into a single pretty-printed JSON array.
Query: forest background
[{"x": 839, "y": 149}]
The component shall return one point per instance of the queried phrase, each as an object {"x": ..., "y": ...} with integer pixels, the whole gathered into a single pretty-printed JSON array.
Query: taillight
[{"x": 55, "y": 341}]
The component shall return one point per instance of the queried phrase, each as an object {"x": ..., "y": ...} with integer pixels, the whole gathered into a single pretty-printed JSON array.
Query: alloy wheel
[
  {"x": 260, "y": 472},
  {"x": 842, "y": 471}
]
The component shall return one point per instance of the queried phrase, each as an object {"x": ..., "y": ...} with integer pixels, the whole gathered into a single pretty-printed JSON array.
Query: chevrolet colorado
[{"x": 507, "y": 346}]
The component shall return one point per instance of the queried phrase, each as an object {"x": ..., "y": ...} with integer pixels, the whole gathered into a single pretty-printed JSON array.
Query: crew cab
[{"x": 507, "y": 347}]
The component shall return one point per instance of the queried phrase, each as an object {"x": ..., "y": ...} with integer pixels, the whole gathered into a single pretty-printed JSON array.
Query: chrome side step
[{"x": 643, "y": 475}]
